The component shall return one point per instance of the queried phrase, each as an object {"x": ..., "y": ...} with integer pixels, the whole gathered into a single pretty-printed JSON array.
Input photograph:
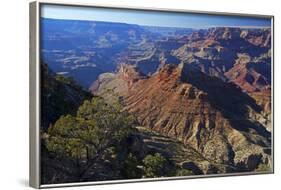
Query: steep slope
[
  {"x": 211, "y": 116},
  {"x": 114, "y": 86},
  {"x": 251, "y": 74},
  {"x": 149, "y": 56},
  {"x": 59, "y": 95},
  {"x": 263, "y": 99},
  {"x": 222, "y": 52},
  {"x": 85, "y": 49}
]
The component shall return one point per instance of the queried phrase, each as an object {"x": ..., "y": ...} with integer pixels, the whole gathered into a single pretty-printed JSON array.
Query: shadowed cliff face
[
  {"x": 212, "y": 94},
  {"x": 60, "y": 95},
  {"x": 200, "y": 98},
  {"x": 86, "y": 49},
  {"x": 210, "y": 115},
  {"x": 251, "y": 74},
  {"x": 226, "y": 97},
  {"x": 242, "y": 56}
]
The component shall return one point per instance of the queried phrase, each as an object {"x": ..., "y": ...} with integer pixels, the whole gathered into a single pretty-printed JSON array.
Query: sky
[{"x": 150, "y": 18}]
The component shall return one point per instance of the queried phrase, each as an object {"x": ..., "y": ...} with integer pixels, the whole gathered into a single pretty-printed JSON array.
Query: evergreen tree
[{"x": 97, "y": 127}]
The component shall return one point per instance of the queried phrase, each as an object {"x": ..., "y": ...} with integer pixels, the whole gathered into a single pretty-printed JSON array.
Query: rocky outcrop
[
  {"x": 213, "y": 94},
  {"x": 242, "y": 56},
  {"x": 251, "y": 74},
  {"x": 116, "y": 85},
  {"x": 260, "y": 37},
  {"x": 209, "y": 115}
]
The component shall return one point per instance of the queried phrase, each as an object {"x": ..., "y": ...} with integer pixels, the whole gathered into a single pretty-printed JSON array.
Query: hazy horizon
[{"x": 151, "y": 18}]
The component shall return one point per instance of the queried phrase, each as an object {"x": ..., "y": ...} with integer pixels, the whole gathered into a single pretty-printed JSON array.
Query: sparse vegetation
[
  {"x": 263, "y": 168},
  {"x": 131, "y": 169},
  {"x": 154, "y": 165},
  {"x": 195, "y": 114},
  {"x": 86, "y": 136},
  {"x": 183, "y": 172}
]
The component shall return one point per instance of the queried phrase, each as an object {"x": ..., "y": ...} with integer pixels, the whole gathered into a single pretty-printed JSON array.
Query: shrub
[
  {"x": 183, "y": 172},
  {"x": 131, "y": 169},
  {"x": 154, "y": 165}
]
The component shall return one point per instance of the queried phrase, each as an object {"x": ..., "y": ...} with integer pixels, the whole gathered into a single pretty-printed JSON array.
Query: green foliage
[
  {"x": 154, "y": 165},
  {"x": 263, "y": 168},
  {"x": 107, "y": 117},
  {"x": 130, "y": 167},
  {"x": 65, "y": 137},
  {"x": 183, "y": 172},
  {"x": 97, "y": 127},
  {"x": 66, "y": 80},
  {"x": 59, "y": 96}
]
